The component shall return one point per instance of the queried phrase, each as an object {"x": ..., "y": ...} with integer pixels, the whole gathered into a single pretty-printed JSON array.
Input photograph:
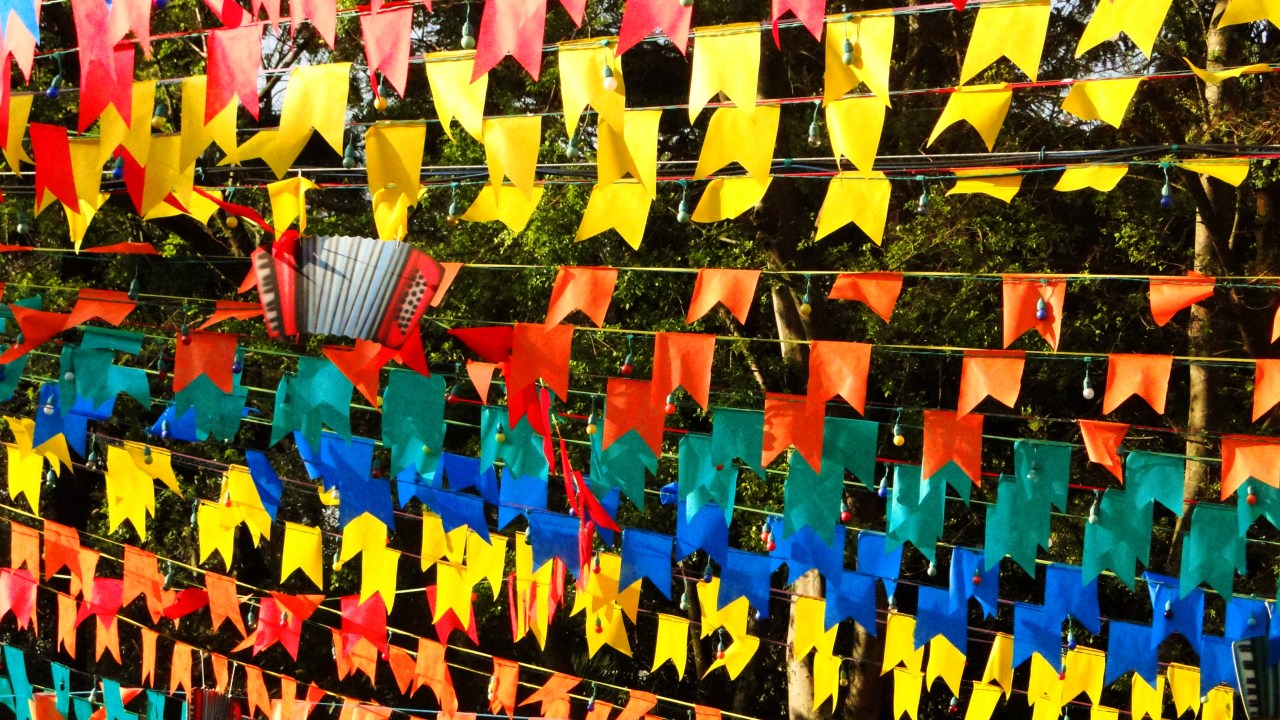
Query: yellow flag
[
  {"x": 240, "y": 493},
  {"x": 164, "y": 175},
  {"x": 982, "y": 106},
  {"x": 26, "y": 475},
  {"x": 899, "y": 644},
  {"x": 1000, "y": 183},
  {"x": 1184, "y": 683},
  {"x": 745, "y": 136},
  {"x": 504, "y": 203},
  {"x": 945, "y": 662},
  {"x": 453, "y": 93},
  {"x": 54, "y": 450},
  {"x": 486, "y": 560},
  {"x": 1045, "y": 686},
  {"x": 727, "y": 198},
  {"x": 217, "y": 531},
  {"x": 87, "y": 171},
  {"x": 378, "y": 571},
  {"x": 1232, "y": 172},
  {"x": 1146, "y": 700},
  {"x": 114, "y": 131},
  {"x": 289, "y": 202},
  {"x": 1219, "y": 704},
  {"x": 433, "y": 540},
  {"x": 606, "y": 627},
  {"x": 1102, "y": 712},
  {"x": 453, "y": 592},
  {"x": 1000, "y": 663},
  {"x": 906, "y": 692},
  {"x": 726, "y": 59},
  {"x": 861, "y": 198},
  {"x": 826, "y": 679},
  {"x": 982, "y": 702},
  {"x": 1105, "y": 100},
  {"x": 736, "y": 655},
  {"x": 511, "y": 150},
  {"x": 199, "y": 207},
  {"x": 196, "y": 135},
  {"x": 315, "y": 98},
  {"x": 672, "y": 643},
  {"x": 365, "y": 533},
  {"x": 633, "y": 151},
  {"x": 303, "y": 550},
  {"x": 1139, "y": 19},
  {"x": 584, "y": 81},
  {"x": 393, "y": 154},
  {"x": 872, "y": 42},
  {"x": 1217, "y": 77},
  {"x": 854, "y": 125},
  {"x": 1247, "y": 11},
  {"x": 809, "y": 623},
  {"x": 622, "y": 206},
  {"x": 1084, "y": 668},
  {"x": 536, "y": 584},
  {"x": 19, "y": 111},
  {"x": 1098, "y": 177},
  {"x": 1013, "y": 31}
]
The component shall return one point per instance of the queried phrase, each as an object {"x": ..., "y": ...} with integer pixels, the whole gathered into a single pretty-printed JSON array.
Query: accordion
[{"x": 350, "y": 286}]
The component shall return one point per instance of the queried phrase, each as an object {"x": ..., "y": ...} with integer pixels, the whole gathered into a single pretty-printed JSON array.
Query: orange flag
[
  {"x": 589, "y": 289},
  {"x": 994, "y": 373},
  {"x": 450, "y": 272},
  {"x": 180, "y": 668},
  {"x": 506, "y": 678},
  {"x": 44, "y": 706},
  {"x": 223, "y": 602},
  {"x": 107, "y": 638},
  {"x": 638, "y": 704},
  {"x": 1171, "y": 294},
  {"x": 82, "y": 581},
  {"x": 1033, "y": 302},
  {"x": 629, "y": 406},
  {"x": 67, "y": 625},
  {"x": 789, "y": 420},
  {"x": 1146, "y": 376},
  {"x": 1245, "y": 457},
  {"x": 148, "y": 637},
  {"x": 231, "y": 310},
  {"x": 432, "y": 671},
  {"x": 481, "y": 374},
  {"x": 683, "y": 360},
  {"x": 602, "y": 711},
  {"x": 142, "y": 577},
  {"x": 1102, "y": 442},
  {"x": 362, "y": 365},
  {"x": 24, "y": 548},
  {"x": 539, "y": 351},
  {"x": 402, "y": 668},
  {"x": 878, "y": 290},
  {"x": 701, "y": 712},
  {"x": 109, "y": 306},
  {"x": 838, "y": 368},
  {"x": 1275, "y": 326},
  {"x": 554, "y": 696},
  {"x": 204, "y": 353},
  {"x": 61, "y": 549},
  {"x": 221, "y": 672},
  {"x": 256, "y": 689},
  {"x": 1266, "y": 387},
  {"x": 735, "y": 289},
  {"x": 951, "y": 437}
]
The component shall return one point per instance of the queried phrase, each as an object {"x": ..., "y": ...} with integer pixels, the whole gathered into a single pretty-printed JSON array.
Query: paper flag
[
  {"x": 735, "y": 289},
  {"x": 683, "y": 360},
  {"x": 1102, "y": 178},
  {"x": 982, "y": 106},
  {"x": 504, "y": 203},
  {"x": 999, "y": 666},
  {"x": 1146, "y": 700},
  {"x": 19, "y": 111},
  {"x": 790, "y": 422},
  {"x": 1000, "y": 183},
  {"x": 726, "y": 60},
  {"x": 746, "y": 136},
  {"x": 454, "y": 94},
  {"x": 952, "y": 437},
  {"x": 990, "y": 373},
  {"x": 632, "y": 150},
  {"x": 197, "y": 132},
  {"x": 386, "y": 46},
  {"x": 511, "y": 150},
  {"x": 1266, "y": 387},
  {"x": 1016, "y": 32},
  {"x": 511, "y": 27},
  {"x": 1105, "y": 100},
  {"x": 872, "y": 40},
  {"x": 588, "y": 289},
  {"x": 393, "y": 153},
  {"x": 582, "y": 67},
  {"x": 982, "y": 702},
  {"x": 727, "y": 198},
  {"x": 629, "y": 406},
  {"x": 1213, "y": 551},
  {"x": 906, "y": 692},
  {"x": 859, "y": 198},
  {"x": 1247, "y": 11},
  {"x": 1139, "y": 19},
  {"x": 945, "y": 662},
  {"x": 838, "y": 369},
  {"x": 554, "y": 695},
  {"x": 854, "y": 126},
  {"x": 1102, "y": 442},
  {"x": 1232, "y": 172},
  {"x": 1146, "y": 376},
  {"x": 641, "y": 17},
  {"x": 303, "y": 550},
  {"x": 1022, "y": 296},
  {"x": 621, "y": 206},
  {"x": 316, "y": 98},
  {"x": 1245, "y": 457},
  {"x": 1171, "y": 294},
  {"x": 235, "y": 61},
  {"x": 1221, "y": 76},
  {"x": 878, "y": 290},
  {"x": 809, "y": 13}
]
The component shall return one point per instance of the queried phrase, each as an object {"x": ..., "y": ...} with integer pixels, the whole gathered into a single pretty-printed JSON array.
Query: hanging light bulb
[
  {"x": 349, "y": 156},
  {"x": 500, "y": 436},
  {"x": 845, "y": 514},
  {"x": 815, "y": 132},
  {"x": 922, "y": 205},
  {"x": 50, "y": 477},
  {"x": 599, "y": 625},
  {"x": 932, "y": 570},
  {"x": 670, "y": 408},
  {"x": 770, "y": 545},
  {"x": 92, "y": 461},
  {"x": 883, "y": 490},
  {"x": 1252, "y": 497},
  {"x": 720, "y": 646},
  {"x": 184, "y": 334},
  {"x": 844, "y": 675},
  {"x": 117, "y": 168},
  {"x": 976, "y": 579},
  {"x": 48, "y": 407},
  {"x": 233, "y": 222},
  {"x": 684, "y": 601},
  {"x": 806, "y": 309},
  {"x": 160, "y": 4},
  {"x": 1093, "y": 509},
  {"x": 571, "y": 150},
  {"x": 162, "y": 370},
  {"x": 953, "y": 707},
  {"x": 468, "y": 41},
  {"x": 146, "y": 455},
  {"x": 628, "y": 366},
  {"x": 1086, "y": 389},
  {"x": 1071, "y": 639},
  {"x": 1166, "y": 192},
  {"x": 23, "y": 225},
  {"x": 848, "y": 55},
  {"x": 164, "y": 430},
  {"x": 591, "y": 701},
  {"x": 592, "y": 427},
  {"x": 455, "y": 210},
  {"x": 237, "y": 366},
  {"x": 898, "y": 438},
  {"x": 55, "y": 87},
  {"x": 893, "y": 603},
  {"x": 160, "y": 117},
  {"x": 706, "y": 572},
  {"x": 595, "y": 563},
  {"x": 682, "y": 214},
  {"x": 1042, "y": 310},
  {"x": 168, "y": 576},
  {"x": 337, "y": 560},
  {"x": 1168, "y": 609},
  {"x": 493, "y": 686},
  {"x": 609, "y": 82}
]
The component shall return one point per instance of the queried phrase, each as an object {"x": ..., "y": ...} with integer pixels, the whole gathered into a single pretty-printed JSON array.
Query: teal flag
[
  {"x": 812, "y": 499},
  {"x": 61, "y": 686},
  {"x": 16, "y": 663},
  {"x": 851, "y": 444},
  {"x": 623, "y": 466},
  {"x": 217, "y": 413},
  {"x": 520, "y": 449},
  {"x": 738, "y": 434},
  {"x": 1150, "y": 477},
  {"x": 916, "y": 509},
  {"x": 702, "y": 481},
  {"x": 1213, "y": 550},
  {"x": 1120, "y": 538},
  {"x": 317, "y": 396},
  {"x": 1043, "y": 471},
  {"x": 413, "y": 421},
  {"x": 1267, "y": 505},
  {"x": 1016, "y": 527}
]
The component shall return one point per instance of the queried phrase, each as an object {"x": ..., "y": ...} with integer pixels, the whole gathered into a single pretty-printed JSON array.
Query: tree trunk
[
  {"x": 865, "y": 690},
  {"x": 799, "y": 674}
]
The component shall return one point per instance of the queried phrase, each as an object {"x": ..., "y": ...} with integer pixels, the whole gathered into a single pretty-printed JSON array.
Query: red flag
[
  {"x": 640, "y": 17},
  {"x": 450, "y": 273},
  {"x": 323, "y": 15},
  {"x": 506, "y": 678},
  {"x": 1033, "y": 302},
  {"x": 481, "y": 374},
  {"x": 204, "y": 353},
  {"x": 554, "y": 695},
  {"x": 366, "y": 620},
  {"x": 104, "y": 82},
  {"x": 808, "y": 12},
  {"x": 1266, "y": 387},
  {"x": 362, "y": 365},
  {"x": 511, "y": 27},
  {"x": 540, "y": 351},
  {"x": 1171, "y": 294},
  {"x": 231, "y": 310},
  {"x": 235, "y": 61},
  {"x": 877, "y": 290},
  {"x": 109, "y": 306},
  {"x": 52, "y": 154},
  {"x": 224, "y": 602},
  {"x": 124, "y": 248},
  {"x": 386, "y": 45}
]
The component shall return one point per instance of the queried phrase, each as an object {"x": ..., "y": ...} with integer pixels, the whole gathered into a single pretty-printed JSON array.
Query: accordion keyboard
[{"x": 269, "y": 292}]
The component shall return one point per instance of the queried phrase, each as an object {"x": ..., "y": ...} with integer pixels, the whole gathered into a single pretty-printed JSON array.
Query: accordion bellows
[{"x": 349, "y": 286}]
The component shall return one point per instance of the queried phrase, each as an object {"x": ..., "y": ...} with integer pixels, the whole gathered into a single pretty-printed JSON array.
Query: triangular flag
[
  {"x": 641, "y": 17},
  {"x": 1102, "y": 442},
  {"x": 1172, "y": 294},
  {"x": 1000, "y": 183},
  {"x": 511, "y": 27},
  {"x": 386, "y": 46},
  {"x": 505, "y": 203},
  {"x": 1146, "y": 376},
  {"x": 808, "y": 12},
  {"x": 235, "y": 61}
]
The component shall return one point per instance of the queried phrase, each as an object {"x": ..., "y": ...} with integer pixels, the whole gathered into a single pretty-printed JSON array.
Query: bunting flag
[
  {"x": 1000, "y": 183},
  {"x": 854, "y": 126},
  {"x": 1266, "y": 387},
  {"x": 1169, "y": 295},
  {"x": 235, "y": 61},
  {"x": 808, "y": 12},
  {"x": 582, "y": 288},
  {"x": 982, "y": 106},
  {"x": 386, "y": 46},
  {"x": 683, "y": 360},
  {"x": 838, "y": 369},
  {"x": 582, "y": 65},
  {"x": 871, "y": 37},
  {"x": 951, "y": 437},
  {"x": 512, "y": 27},
  {"x": 1102, "y": 178},
  {"x": 1247, "y": 11},
  {"x": 1105, "y": 100},
  {"x": 1102, "y": 442},
  {"x": 1016, "y": 32},
  {"x": 858, "y": 198},
  {"x": 990, "y": 373},
  {"x": 641, "y": 17},
  {"x": 1146, "y": 376},
  {"x": 1033, "y": 302},
  {"x": 393, "y": 154},
  {"x": 735, "y": 289},
  {"x": 1139, "y": 20},
  {"x": 727, "y": 62},
  {"x": 741, "y": 135},
  {"x": 455, "y": 94},
  {"x": 728, "y": 197}
]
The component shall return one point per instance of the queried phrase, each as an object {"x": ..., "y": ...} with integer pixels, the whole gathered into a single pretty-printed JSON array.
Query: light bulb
[
  {"x": 1166, "y": 197},
  {"x": 55, "y": 87},
  {"x": 682, "y": 215},
  {"x": 1087, "y": 389},
  {"x": 500, "y": 436},
  {"x": 932, "y": 570},
  {"x": 898, "y": 438},
  {"x": 1042, "y": 310},
  {"x": 117, "y": 168},
  {"x": 922, "y": 205},
  {"x": 684, "y": 601},
  {"x": 380, "y": 103},
  {"x": 815, "y": 136},
  {"x": 233, "y": 222},
  {"x": 592, "y": 427},
  {"x": 48, "y": 408},
  {"x": 158, "y": 119},
  {"x": 571, "y": 152},
  {"x": 468, "y": 41},
  {"x": 883, "y": 490},
  {"x": 349, "y": 156},
  {"x": 610, "y": 82},
  {"x": 69, "y": 376},
  {"x": 848, "y": 56}
]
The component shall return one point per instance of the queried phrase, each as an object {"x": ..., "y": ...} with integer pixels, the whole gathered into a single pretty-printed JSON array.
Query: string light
[
  {"x": 468, "y": 41},
  {"x": 55, "y": 85},
  {"x": 500, "y": 436},
  {"x": 682, "y": 214},
  {"x": 883, "y": 489},
  {"x": 117, "y": 168},
  {"x": 1093, "y": 509},
  {"x": 23, "y": 225},
  {"x": 815, "y": 136},
  {"x": 805, "y": 308},
  {"x": 609, "y": 82},
  {"x": 455, "y": 209},
  {"x": 922, "y": 205},
  {"x": 898, "y": 438},
  {"x": 160, "y": 117},
  {"x": 628, "y": 365},
  {"x": 706, "y": 572},
  {"x": 1166, "y": 192},
  {"x": 349, "y": 155},
  {"x": 1087, "y": 387}
]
